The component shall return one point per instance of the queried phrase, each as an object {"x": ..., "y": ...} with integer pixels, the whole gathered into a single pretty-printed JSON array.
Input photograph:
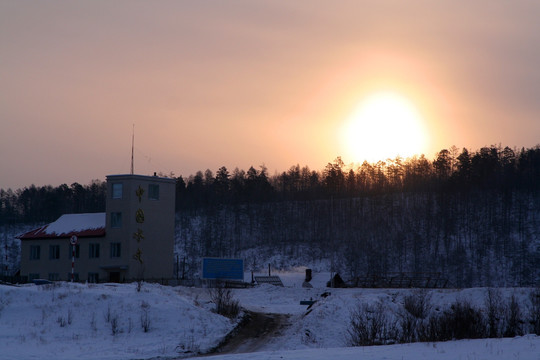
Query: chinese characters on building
[{"x": 139, "y": 218}]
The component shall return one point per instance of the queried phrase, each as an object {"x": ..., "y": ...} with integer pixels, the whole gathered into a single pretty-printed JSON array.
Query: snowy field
[
  {"x": 522, "y": 348},
  {"x": 111, "y": 321},
  {"x": 103, "y": 321}
]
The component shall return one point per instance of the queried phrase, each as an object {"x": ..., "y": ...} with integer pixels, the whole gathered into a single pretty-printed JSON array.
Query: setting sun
[{"x": 384, "y": 125}]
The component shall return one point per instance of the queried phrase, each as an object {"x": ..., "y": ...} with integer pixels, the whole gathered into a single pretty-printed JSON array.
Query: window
[
  {"x": 54, "y": 276},
  {"x": 116, "y": 219},
  {"x": 77, "y": 251},
  {"x": 93, "y": 251},
  {"x": 54, "y": 252},
  {"x": 153, "y": 192},
  {"x": 35, "y": 251},
  {"x": 117, "y": 190},
  {"x": 115, "y": 250},
  {"x": 33, "y": 276},
  {"x": 93, "y": 277}
]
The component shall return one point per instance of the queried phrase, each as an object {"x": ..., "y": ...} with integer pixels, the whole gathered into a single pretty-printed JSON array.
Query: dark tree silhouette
[{"x": 472, "y": 215}]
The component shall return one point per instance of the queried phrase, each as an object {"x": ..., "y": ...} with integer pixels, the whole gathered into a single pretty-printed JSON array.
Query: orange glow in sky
[
  {"x": 279, "y": 83},
  {"x": 384, "y": 125}
]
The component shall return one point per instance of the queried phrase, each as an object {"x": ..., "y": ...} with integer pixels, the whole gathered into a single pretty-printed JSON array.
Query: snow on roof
[{"x": 82, "y": 225}]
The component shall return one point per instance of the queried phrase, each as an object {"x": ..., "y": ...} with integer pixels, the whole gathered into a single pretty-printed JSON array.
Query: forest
[{"x": 472, "y": 216}]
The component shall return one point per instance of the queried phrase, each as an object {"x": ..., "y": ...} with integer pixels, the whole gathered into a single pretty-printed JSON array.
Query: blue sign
[{"x": 225, "y": 269}]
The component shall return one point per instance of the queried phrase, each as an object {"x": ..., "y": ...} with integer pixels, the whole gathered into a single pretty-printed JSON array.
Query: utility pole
[
  {"x": 332, "y": 265},
  {"x": 6, "y": 258},
  {"x": 132, "y": 146},
  {"x": 6, "y": 252},
  {"x": 73, "y": 241}
]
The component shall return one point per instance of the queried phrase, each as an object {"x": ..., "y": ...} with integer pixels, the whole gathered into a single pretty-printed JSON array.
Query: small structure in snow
[
  {"x": 272, "y": 280},
  {"x": 336, "y": 282}
]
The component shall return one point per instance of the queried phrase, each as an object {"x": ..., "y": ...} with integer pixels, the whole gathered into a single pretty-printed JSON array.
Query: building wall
[
  {"x": 140, "y": 246},
  {"x": 44, "y": 267},
  {"x": 146, "y": 233}
]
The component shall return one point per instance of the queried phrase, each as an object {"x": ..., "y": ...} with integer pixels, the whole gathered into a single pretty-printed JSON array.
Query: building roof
[
  {"x": 154, "y": 178},
  {"x": 81, "y": 225}
]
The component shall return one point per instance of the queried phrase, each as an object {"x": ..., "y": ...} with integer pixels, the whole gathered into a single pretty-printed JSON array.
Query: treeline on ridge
[
  {"x": 470, "y": 218},
  {"x": 489, "y": 169}
]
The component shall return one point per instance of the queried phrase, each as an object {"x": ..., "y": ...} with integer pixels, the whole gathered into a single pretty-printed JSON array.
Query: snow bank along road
[{"x": 107, "y": 321}]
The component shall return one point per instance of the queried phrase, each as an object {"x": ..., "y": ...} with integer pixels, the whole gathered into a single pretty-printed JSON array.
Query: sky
[{"x": 243, "y": 83}]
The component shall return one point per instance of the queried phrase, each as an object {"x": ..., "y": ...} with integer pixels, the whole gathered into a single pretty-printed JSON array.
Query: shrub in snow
[
  {"x": 70, "y": 316},
  {"x": 61, "y": 321},
  {"x": 461, "y": 321},
  {"x": 308, "y": 337},
  {"x": 108, "y": 314},
  {"x": 408, "y": 327},
  {"x": 93, "y": 325},
  {"x": 43, "y": 316},
  {"x": 370, "y": 325},
  {"x": 189, "y": 345},
  {"x": 418, "y": 303},
  {"x": 225, "y": 303},
  {"x": 416, "y": 307},
  {"x": 3, "y": 303},
  {"x": 145, "y": 321},
  {"x": 534, "y": 311},
  {"x": 114, "y": 325},
  {"x": 513, "y": 319},
  {"x": 494, "y": 312}
]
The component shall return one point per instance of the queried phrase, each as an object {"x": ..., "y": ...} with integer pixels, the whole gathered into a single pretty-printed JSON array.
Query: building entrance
[{"x": 114, "y": 276}]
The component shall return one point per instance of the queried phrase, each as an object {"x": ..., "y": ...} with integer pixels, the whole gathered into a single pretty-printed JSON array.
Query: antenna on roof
[{"x": 132, "y": 145}]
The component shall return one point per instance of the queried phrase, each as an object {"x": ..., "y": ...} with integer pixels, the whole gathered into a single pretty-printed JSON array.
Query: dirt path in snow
[{"x": 255, "y": 332}]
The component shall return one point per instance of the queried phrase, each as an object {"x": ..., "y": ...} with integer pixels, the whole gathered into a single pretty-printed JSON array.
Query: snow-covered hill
[{"x": 67, "y": 321}]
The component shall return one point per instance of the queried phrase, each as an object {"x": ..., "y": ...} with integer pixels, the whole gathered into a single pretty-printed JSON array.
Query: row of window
[
  {"x": 93, "y": 277},
  {"x": 118, "y": 191},
  {"x": 93, "y": 251}
]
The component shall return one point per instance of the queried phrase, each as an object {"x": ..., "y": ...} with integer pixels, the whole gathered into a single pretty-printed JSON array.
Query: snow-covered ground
[
  {"x": 522, "y": 348},
  {"x": 105, "y": 321}
]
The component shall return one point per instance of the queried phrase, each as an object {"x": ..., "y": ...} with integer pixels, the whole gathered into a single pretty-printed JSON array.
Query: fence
[{"x": 401, "y": 280}]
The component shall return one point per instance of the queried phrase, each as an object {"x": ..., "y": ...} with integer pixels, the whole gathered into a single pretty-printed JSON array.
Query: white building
[{"x": 133, "y": 239}]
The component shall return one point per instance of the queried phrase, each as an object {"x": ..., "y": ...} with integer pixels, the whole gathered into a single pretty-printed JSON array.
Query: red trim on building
[
  {"x": 40, "y": 233},
  {"x": 81, "y": 225}
]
